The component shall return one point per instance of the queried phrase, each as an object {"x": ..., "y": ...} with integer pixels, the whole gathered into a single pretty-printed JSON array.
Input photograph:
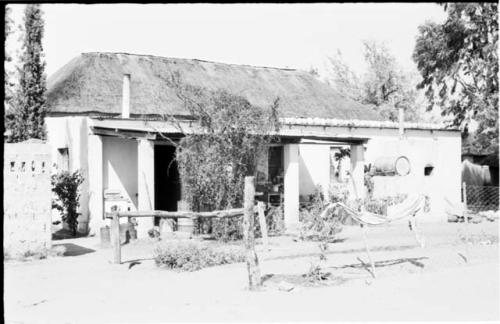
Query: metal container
[
  {"x": 392, "y": 165},
  {"x": 105, "y": 235},
  {"x": 185, "y": 225}
]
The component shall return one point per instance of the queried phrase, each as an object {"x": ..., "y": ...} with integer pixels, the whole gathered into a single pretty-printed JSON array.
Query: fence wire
[{"x": 482, "y": 198}]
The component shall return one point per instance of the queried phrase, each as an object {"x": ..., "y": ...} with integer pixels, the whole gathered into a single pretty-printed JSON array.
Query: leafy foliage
[
  {"x": 190, "y": 256},
  {"x": 378, "y": 205},
  {"x": 214, "y": 162},
  {"x": 342, "y": 153},
  {"x": 275, "y": 220},
  {"x": 65, "y": 186},
  {"x": 384, "y": 86},
  {"x": 8, "y": 58},
  {"x": 313, "y": 225},
  {"x": 369, "y": 183},
  {"x": 458, "y": 61},
  {"x": 27, "y": 118}
]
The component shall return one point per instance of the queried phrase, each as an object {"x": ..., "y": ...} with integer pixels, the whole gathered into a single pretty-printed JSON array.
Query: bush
[
  {"x": 231, "y": 228},
  {"x": 315, "y": 227},
  {"x": 191, "y": 256},
  {"x": 275, "y": 220},
  {"x": 65, "y": 186},
  {"x": 379, "y": 205},
  {"x": 228, "y": 228}
]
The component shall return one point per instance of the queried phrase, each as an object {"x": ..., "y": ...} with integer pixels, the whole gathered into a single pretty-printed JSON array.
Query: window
[{"x": 63, "y": 159}]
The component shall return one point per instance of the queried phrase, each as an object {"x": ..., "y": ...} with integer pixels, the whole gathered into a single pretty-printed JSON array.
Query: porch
[{"x": 132, "y": 167}]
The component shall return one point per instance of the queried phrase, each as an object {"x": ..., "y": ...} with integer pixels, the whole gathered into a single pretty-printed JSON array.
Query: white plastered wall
[
  {"x": 120, "y": 167},
  {"x": 438, "y": 149},
  {"x": 314, "y": 168},
  {"x": 441, "y": 149},
  {"x": 71, "y": 133}
]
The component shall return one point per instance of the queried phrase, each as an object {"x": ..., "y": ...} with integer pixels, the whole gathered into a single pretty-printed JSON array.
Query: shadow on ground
[
  {"x": 63, "y": 234},
  {"x": 385, "y": 263},
  {"x": 324, "y": 278},
  {"x": 346, "y": 251},
  {"x": 71, "y": 249}
]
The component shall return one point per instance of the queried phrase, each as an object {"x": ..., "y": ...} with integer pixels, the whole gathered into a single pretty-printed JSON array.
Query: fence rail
[{"x": 178, "y": 214}]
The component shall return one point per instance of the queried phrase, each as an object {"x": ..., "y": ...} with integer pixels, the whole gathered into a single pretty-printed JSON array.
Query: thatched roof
[{"x": 92, "y": 82}]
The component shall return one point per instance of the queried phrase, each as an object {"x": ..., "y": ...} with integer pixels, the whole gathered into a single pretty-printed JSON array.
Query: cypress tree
[{"x": 29, "y": 111}]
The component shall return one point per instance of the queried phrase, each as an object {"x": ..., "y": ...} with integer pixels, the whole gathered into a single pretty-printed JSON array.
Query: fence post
[
  {"x": 115, "y": 229},
  {"x": 248, "y": 235},
  {"x": 263, "y": 225},
  {"x": 466, "y": 220}
]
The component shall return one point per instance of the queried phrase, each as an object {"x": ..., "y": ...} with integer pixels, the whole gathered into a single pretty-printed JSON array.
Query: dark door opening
[{"x": 167, "y": 183}]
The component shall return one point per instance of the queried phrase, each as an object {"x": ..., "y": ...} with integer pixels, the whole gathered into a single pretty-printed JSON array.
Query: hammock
[{"x": 406, "y": 209}]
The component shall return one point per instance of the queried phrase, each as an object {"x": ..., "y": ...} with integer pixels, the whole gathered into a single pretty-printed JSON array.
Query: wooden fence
[
  {"x": 248, "y": 224},
  {"x": 115, "y": 221}
]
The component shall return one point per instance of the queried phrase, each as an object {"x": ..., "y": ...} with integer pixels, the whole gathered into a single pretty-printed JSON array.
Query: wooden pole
[
  {"x": 466, "y": 222},
  {"x": 263, "y": 225},
  {"x": 368, "y": 250},
  {"x": 248, "y": 235},
  {"x": 115, "y": 230},
  {"x": 181, "y": 214}
]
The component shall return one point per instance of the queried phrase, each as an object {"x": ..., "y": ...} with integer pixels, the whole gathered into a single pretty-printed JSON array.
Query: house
[{"x": 105, "y": 119}]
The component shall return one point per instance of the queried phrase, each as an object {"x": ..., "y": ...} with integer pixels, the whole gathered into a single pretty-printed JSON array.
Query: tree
[
  {"x": 458, "y": 61},
  {"x": 344, "y": 79},
  {"x": 27, "y": 119},
  {"x": 384, "y": 86},
  {"x": 8, "y": 58}
]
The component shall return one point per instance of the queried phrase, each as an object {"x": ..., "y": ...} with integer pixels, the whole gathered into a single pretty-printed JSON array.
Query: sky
[{"x": 299, "y": 36}]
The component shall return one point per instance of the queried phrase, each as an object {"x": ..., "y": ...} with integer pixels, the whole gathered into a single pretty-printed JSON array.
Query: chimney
[
  {"x": 401, "y": 122},
  {"x": 126, "y": 96}
]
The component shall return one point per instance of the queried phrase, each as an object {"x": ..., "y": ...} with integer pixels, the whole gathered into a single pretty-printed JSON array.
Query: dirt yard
[{"x": 413, "y": 283}]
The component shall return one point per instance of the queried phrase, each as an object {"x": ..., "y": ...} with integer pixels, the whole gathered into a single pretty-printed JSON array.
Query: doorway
[{"x": 167, "y": 181}]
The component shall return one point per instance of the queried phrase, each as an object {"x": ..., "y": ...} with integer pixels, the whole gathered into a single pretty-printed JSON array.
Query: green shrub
[
  {"x": 228, "y": 229},
  {"x": 191, "y": 256},
  {"x": 231, "y": 228},
  {"x": 315, "y": 227},
  {"x": 65, "y": 186},
  {"x": 275, "y": 220},
  {"x": 37, "y": 254},
  {"x": 379, "y": 205}
]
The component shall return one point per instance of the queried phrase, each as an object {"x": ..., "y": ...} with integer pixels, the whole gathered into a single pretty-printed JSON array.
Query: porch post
[
  {"x": 95, "y": 180},
  {"x": 146, "y": 184},
  {"x": 358, "y": 170},
  {"x": 291, "y": 182}
]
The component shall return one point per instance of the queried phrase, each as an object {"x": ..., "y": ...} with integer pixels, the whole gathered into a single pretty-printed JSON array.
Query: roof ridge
[{"x": 199, "y": 60}]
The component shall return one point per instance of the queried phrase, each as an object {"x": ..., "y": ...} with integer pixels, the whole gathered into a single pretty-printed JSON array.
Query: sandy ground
[{"x": 413, "y": 283}]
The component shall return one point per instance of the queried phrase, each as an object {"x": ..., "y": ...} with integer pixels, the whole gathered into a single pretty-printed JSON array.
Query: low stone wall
[{"x": 27, "y": 197}]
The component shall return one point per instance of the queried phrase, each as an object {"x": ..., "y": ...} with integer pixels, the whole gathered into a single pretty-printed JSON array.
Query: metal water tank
[{"x": 392, "y": 165}]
